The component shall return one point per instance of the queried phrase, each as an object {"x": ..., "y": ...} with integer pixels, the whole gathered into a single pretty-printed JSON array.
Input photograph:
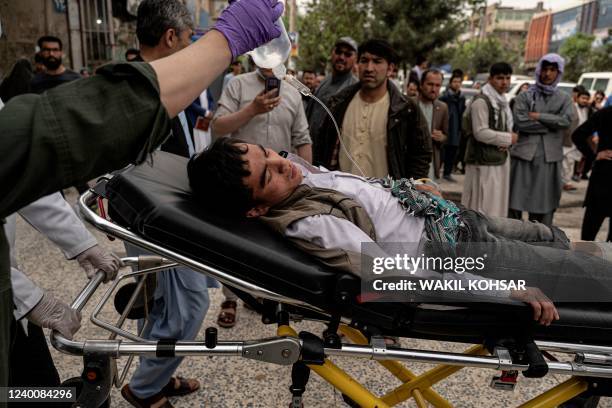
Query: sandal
[
  {"x": 186, "y": 386},
  {"x": 227, "y": 316},
  {"x": 127, "y": 394}
]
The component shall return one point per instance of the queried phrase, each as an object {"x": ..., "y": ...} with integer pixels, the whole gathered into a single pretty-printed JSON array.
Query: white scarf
[{"x": 499, "y": 102}]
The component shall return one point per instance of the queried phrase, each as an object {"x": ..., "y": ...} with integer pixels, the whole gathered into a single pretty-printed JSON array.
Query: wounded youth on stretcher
[{"x": 270, "y": 179}]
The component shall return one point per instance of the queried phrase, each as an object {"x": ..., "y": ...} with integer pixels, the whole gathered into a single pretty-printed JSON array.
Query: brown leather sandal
[
  {"x": 227, "y": 316},
  {"x": 127, "y": 394},
  {"x": 185, "y": 386}
]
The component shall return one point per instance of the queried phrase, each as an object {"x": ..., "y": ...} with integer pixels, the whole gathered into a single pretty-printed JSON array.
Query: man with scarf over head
[{"x": 541, "y": 116}]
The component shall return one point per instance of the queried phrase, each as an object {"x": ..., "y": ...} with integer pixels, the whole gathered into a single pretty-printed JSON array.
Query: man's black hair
[
  {"x": 155, "y": 17},
  {"x": 49, "y": 38},
  {"x": 309, "y": 71},
  {"x": 457, "y": 73},
  {"x": 582, "y": 92},
  {"x": 546, "y": 63},
  {"x": 420, "y": 59},
  {"x": 431, "y": 71},
  {"x": 500, "y": 68},
  {"x": 578, "y": 88},
  {"x": 380, "y": 48},
  {"x": 216, "y": 174},
  {"x": 131, "y": 51}
]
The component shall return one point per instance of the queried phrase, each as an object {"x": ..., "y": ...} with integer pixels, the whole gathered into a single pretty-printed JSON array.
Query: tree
[
  {"x": 417, "y": 27},
  {"x": 413, "y": 27},
  {"x": 477, "y": 56},
  {"x": 577, "y": 51},
  {"x": 601, "y": 58},
  {"x": 326, "y": 21}
]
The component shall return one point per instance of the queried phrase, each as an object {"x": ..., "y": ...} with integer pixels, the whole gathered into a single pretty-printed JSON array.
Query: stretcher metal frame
[{"x": 589, "y": 371}]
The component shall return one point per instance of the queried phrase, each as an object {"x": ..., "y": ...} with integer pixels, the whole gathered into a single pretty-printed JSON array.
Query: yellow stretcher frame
[{"x": 418, "y": 387}]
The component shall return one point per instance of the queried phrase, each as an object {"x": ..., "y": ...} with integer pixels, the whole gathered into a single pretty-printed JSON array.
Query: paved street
[{"x": 233, "y": 382}]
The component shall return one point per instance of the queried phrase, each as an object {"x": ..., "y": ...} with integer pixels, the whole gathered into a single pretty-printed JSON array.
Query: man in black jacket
[
  {"x": 456, "y": 106},
  {"x": 384, "y": 132}
]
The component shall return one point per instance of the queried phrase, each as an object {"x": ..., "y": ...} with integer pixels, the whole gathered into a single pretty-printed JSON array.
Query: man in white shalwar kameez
[{"x": 487, "y": 174}]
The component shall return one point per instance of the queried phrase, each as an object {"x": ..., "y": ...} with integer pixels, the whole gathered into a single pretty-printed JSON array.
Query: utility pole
[{"x": 292, "y": 13}]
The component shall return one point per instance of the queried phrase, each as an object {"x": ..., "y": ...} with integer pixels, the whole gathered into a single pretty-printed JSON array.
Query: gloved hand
[
  {"x": 95, "y": 258},
  {"x": 53, "y": 314},
  {"x": 247, "y": 24}
]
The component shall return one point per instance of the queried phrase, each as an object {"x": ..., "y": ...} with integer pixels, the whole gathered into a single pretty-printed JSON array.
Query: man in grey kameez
[
  {"x": 487, "y": 166},
  {"x": 541, "y": 116}
]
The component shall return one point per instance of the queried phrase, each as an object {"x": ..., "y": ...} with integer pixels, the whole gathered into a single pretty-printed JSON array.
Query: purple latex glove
[{"x": 247, "y": 24}]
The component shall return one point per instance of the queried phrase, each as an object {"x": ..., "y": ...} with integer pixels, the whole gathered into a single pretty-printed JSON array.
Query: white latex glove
[
  {"x": 56, "y": 315},
  {"x": 95, "y": 258}
]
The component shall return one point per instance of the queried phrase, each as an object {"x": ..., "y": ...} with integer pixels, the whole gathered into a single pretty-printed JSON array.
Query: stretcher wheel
[{"x": 78, "y": 383}]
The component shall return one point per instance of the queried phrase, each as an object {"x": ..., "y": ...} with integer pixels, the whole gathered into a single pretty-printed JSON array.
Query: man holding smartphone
[{"x": 258, "y": 108}]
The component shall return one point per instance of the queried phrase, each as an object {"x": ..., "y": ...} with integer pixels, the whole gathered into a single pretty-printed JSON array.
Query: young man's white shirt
[{"x": 391, "y": 221}]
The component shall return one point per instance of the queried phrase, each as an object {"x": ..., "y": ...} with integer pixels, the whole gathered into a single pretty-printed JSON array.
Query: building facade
[
  {"x": 508, "y": 24},
  {"x": 548, "y": 31},
  {"x": 93, "y": 32}
]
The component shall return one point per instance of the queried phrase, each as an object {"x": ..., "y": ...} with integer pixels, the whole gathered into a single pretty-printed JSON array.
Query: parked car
[
  {"x": 597, "y": 81},
  {"x": 514, "y": 88}
]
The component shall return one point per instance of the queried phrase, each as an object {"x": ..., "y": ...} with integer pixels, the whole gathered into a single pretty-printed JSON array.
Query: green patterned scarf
[{"x": 442, "y": 220}]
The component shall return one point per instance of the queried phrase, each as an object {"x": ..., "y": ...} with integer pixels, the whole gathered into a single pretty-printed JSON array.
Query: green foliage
[
  {"x": 577, "y": 53},
  {"x": 417, "y": 27},
  {"x": 477, "y": 56},
  {"x": 324, "y": 23},
  {"x": 413, "y": 27},
  {"x": 601, "y": 58}
]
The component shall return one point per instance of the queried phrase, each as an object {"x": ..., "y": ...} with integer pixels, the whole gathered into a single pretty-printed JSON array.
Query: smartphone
[{"x": 273, "y": 83}]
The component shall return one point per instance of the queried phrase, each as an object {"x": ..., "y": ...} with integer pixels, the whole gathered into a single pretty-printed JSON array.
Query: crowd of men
[{"x": 516, "y": 158}]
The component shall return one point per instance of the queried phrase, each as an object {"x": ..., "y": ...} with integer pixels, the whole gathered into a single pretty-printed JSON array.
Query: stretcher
[{"x": 151, "y": 206}]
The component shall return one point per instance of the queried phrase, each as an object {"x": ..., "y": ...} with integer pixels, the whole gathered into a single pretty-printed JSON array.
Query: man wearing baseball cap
[{"x": 343, "y": 58}]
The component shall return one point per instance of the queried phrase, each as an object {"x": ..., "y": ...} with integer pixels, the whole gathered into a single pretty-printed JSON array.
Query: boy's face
[{"x": 273, "y": 178}]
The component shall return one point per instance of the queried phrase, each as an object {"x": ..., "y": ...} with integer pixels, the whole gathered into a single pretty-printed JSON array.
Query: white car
[
  {"x": 514, "y": 88},
  {"x": 597, "y": 81}
]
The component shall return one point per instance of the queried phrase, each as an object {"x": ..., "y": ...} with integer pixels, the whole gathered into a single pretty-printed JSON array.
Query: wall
[
  {"x": 564, "y": 24},
  {"x": 23, "y": 22}
]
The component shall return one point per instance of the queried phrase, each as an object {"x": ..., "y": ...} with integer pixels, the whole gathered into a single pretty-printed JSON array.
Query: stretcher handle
[{"x": 81, "y": 300}]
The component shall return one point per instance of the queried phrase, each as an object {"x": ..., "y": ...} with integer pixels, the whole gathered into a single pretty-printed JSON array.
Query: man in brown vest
[{"x": 331, "y": 214}]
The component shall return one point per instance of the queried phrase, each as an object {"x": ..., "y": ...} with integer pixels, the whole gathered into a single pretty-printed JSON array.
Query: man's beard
[{"x": 52, "y": 63}]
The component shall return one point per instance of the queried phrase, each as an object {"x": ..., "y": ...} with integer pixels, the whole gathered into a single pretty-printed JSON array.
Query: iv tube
[{"x": 304, "y": 90}]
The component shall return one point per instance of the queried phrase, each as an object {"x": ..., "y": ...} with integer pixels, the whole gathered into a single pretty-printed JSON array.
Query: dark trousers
[
  {"x": 450, "y": 154},
  {"x": 31, "y": 363},
  {"x": 593, "y": 218},
  {"x": 545, "y": 219}
]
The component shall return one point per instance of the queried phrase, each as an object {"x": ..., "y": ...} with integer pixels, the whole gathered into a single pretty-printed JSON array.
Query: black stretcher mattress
[{"x": 154, "y": 201}]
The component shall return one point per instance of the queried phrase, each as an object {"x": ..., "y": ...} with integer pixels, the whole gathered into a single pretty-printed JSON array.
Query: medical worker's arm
[{"x": 85, "y": 128}]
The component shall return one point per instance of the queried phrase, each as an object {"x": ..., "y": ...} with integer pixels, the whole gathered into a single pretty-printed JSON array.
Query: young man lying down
[{"x": 330, "y": 214}]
